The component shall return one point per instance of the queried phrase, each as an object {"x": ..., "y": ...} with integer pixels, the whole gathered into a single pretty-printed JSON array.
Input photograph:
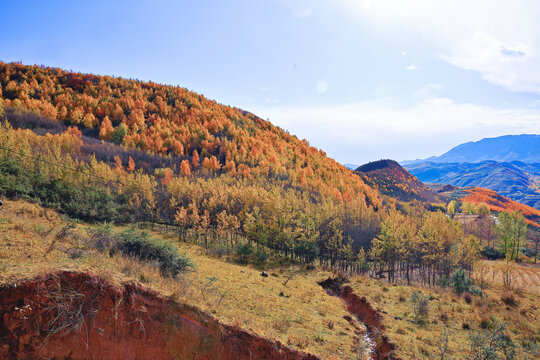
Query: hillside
[
  {"x": 174, "y": 122},
  {"x": 496, "y": 202},
  {"x": 145, "y": 221},
  {"x": 170, "y": 156},
  {"x": 516, "y": 180},
  {"x": 393, "y": 180},
  {"x": 131, "y": 310},
  {"x": 123, "y": 307},
  {"x": 506, "y": 148}
]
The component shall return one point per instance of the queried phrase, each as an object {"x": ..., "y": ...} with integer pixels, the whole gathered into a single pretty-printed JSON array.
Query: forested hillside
[
  {"x": 174, "y": 122},
  {"x": 168, "y": 155},
  {"x": 391, "y": 179},
  {"x": 105, "y": 150}
]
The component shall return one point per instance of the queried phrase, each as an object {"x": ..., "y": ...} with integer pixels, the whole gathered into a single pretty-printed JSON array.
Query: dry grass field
[
  {"x": 526, "y": 277},
  {"x": 451, "y": 314},
  {"x": 299, "y": 313}
]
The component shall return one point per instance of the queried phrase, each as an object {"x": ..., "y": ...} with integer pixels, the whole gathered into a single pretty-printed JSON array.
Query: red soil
[
  {"x": 73, "y": 315},
  {"x": 361, "y": 308}
]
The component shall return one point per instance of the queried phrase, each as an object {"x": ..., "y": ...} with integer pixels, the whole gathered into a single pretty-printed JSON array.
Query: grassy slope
[
  {"x": 448, "y": 310},
  {"x": 305, "y": 318}
]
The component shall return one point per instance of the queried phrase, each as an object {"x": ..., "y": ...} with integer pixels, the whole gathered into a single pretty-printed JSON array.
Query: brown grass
[
  {"x": 525, "y": 276},
  {"x": 33, "y": 244},
  {"x": 449, "y": 311},
  {"x": 299, "y": 313}
]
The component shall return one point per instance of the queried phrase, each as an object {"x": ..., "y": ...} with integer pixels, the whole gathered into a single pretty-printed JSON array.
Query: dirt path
[{"x": 382, "y": 348}]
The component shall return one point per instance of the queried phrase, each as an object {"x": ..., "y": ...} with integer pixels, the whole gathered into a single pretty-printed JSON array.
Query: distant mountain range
[
  {"x": 516, "y": 180},
  {"x": 509, "y": 165},
  {"x": 508, "y": 148}
]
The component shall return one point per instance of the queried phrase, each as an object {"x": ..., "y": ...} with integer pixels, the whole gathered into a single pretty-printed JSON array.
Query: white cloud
[
  {"x": 322, "y": 86},
  {"x": 364, "y": 131},
  {"x": 411, "y": 67},
  {"x": 500, "y": 39}
]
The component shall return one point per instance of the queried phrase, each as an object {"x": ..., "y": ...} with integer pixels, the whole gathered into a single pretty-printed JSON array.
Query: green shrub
[
  {"x": 218, "y": 249},
  {"x": 140, "y": 244},
  {"x": 492, "y": 253},
  {"x": 528, "y": 252},
  {"x": 244, "y": 251},
  {"x": 461, "y": 282},
  {"x": 444, "y": 281},
  {"x": 261, "y": 255},
  {"x": 475, "y": 291},
  {"x": 491, "y": 343},
  {"x": 103, "y": 238}
]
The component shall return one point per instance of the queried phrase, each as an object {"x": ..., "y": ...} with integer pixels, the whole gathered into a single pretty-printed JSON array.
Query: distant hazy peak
[{"x": 507, "y": 148}]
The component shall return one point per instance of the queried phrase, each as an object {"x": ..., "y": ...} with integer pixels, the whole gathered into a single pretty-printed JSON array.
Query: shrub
[
  {"x": 444, "y": 281},
  {"x": 491, "y": 343},
  {"x": 443, "y": 317},
  {"x": 419, "y": 306},
  {"x": 468, "y": 297},
  {"x": 218, "y": 249},
  {"x": 509, "y": 299},
  {"x": 244, "y": 251},
  {"x": 475, "y": 291},
  {"x": 103, "y": 238},
  {"x": 492, "y": 253},
  {"x": 528, "y": 252},
  {"x": 460, "y": 281},
  {"x": 140, "y": 244},
  {"x": 484, "y": 323},
  {"x": 261, "y": 256}
]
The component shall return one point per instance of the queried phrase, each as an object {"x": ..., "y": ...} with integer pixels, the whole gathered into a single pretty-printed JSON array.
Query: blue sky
[{"x": 362, "y": 80}]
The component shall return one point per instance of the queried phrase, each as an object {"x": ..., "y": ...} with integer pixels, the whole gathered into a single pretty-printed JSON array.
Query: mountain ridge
[
  {"x": 516, "y": 180},
  {"x": 505, "y": 148}
]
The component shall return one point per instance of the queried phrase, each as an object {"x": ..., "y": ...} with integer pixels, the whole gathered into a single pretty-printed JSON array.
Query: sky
[{"x": 363, "y": 80}]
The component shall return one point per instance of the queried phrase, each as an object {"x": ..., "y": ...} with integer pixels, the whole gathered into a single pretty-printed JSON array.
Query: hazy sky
[{"x": 363, "y": 80}]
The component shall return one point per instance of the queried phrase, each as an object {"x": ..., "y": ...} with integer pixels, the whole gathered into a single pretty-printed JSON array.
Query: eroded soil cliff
[{"x": 70, "y": 315}]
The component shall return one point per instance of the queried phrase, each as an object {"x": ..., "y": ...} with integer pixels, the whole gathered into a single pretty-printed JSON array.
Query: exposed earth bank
[{"x": 71, "y": 315}]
